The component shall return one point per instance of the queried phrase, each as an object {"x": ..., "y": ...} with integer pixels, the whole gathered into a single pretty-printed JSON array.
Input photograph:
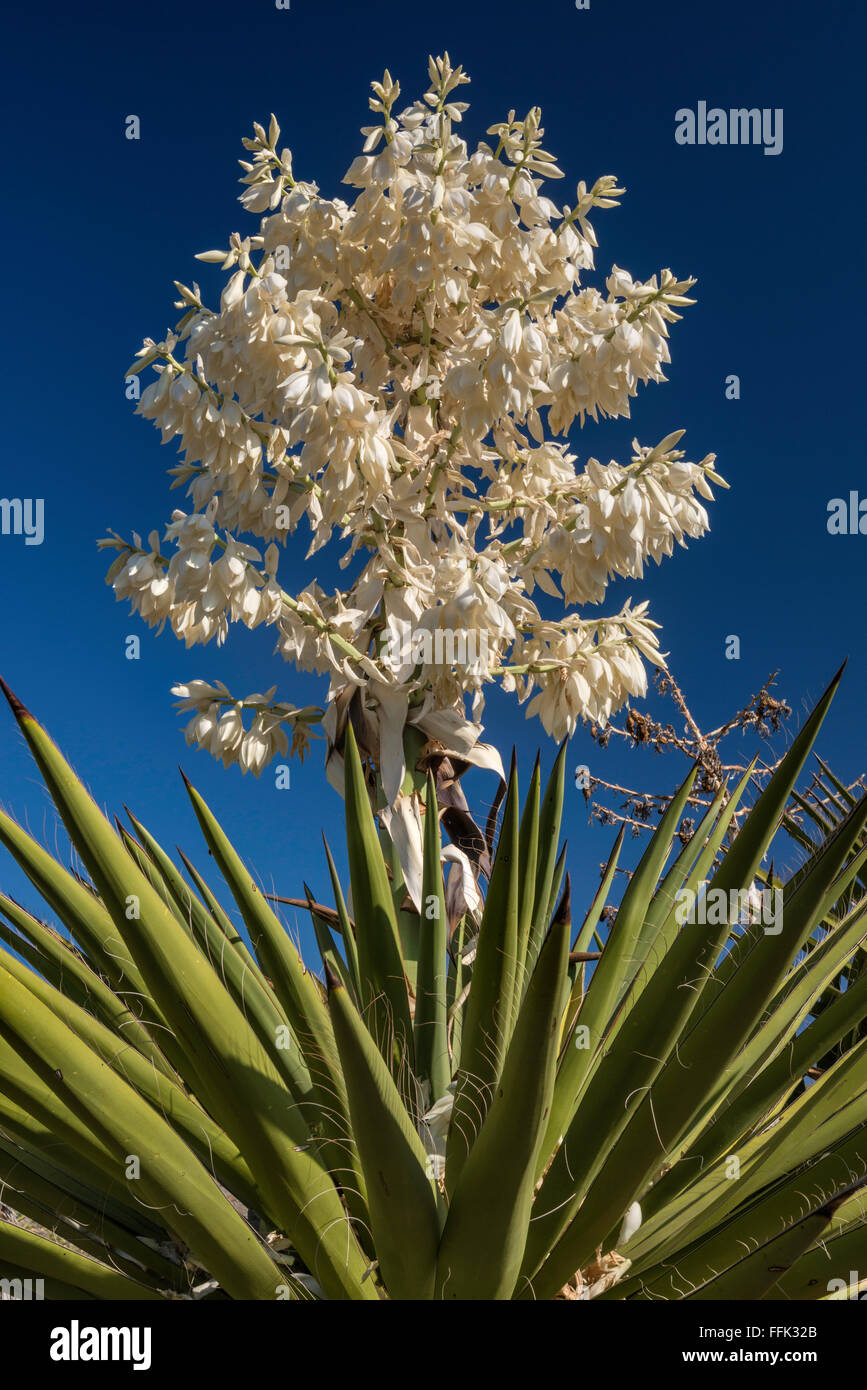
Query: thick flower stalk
[{"x": 404, "y": 370}]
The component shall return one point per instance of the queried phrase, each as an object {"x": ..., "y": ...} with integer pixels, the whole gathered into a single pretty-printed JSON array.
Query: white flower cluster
[
  {"x": 218, "y": 724},
  {"x": 404, "y": 369}
]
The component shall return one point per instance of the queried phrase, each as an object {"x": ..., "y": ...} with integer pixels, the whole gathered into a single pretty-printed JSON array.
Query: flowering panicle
[{"x": 403, "y": 370}]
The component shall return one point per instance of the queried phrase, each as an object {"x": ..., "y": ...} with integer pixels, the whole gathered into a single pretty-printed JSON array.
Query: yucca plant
[{"x": 471, "y": 1105}]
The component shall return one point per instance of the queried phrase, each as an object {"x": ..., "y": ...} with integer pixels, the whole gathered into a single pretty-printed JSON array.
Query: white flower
[
  {"x": 630, "y": 1224},
  {"x": 401, "y": 371}
]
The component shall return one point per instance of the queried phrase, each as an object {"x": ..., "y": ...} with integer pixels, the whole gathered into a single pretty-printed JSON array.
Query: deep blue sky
[{"x": 97, "y": 228}]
